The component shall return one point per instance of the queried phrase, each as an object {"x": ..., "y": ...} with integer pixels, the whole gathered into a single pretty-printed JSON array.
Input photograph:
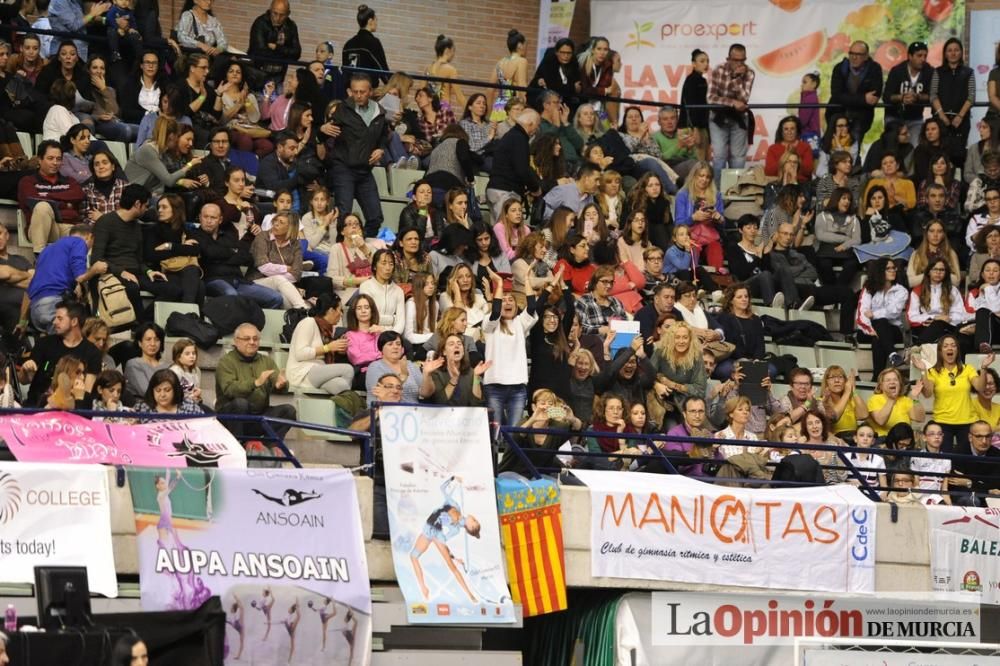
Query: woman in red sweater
[{"x": 788, "y": 139}]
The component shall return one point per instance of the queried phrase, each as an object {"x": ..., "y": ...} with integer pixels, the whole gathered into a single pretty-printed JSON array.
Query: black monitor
[{"x": 63, "y": 596}]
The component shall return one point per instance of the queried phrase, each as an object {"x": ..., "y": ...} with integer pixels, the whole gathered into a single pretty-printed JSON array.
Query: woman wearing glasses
[
  {"x": 936, "y": 307},
  {"x": 890, "y": 405},
  {"x": 951, "y": 383}
]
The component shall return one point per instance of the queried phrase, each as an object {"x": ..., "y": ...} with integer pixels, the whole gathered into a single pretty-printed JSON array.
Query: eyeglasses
[
  {"x": 656, "y": 258},
  {"x": 975, "y": 436},
  {"x": 564, "y": 52},
  {"x": 937, "y": 269},
  {"x": 392, "y": 387},
  {"x": 737, "y": 60},
  {"x": 858, "y": 54},
  {"x": 606, "y": 281},
  {"x": 801, "y": 384}
]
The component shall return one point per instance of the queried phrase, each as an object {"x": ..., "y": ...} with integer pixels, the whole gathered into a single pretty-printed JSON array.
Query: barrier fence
[{"x": 163, "y": 47}]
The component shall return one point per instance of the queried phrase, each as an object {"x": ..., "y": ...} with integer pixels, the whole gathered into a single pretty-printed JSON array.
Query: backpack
[
  {"x": 190, "y": 325},
  {"x": 113, "y": 306},
  {"x": 228, "y": 312},
  {"x": 292, "y": 319}
]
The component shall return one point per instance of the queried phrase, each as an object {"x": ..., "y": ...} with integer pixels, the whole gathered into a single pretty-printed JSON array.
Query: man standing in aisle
[{"x": 730, "y": 86}]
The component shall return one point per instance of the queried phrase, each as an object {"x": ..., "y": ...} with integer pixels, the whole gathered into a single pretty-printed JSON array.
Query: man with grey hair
[
  {"x": 245, "y": 380},
  {"x": 676, "y": 145},
  {"x": 512, "y": 174},
  {"x": 556, "y": 121}
]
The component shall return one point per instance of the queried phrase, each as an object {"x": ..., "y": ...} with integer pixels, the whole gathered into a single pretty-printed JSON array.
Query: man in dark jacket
[
  {"x": 512, "y": 175},
  {"x": 274, "y": 35},
  {"x": 223, "y": 257},
  {"x": 855, "y": 88},
  {"x": 364, "y": 137},
  {"x": 118, "y": 242},
  {"x": 277, "y": 170},
  {"x": 907, "y": 90},
  {"x": 981, "y": 477}
]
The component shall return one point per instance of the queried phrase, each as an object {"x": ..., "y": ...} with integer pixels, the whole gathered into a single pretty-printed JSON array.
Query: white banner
[
  {"x": 282, "y": 548},
  {"x": 784, "y": 40},
  {"x": 651, "y": 527},
  {"x": 965, "y": 552},
  {"x": 752, "y": 629},
  {"x": 443, "y": 514},
  {"x": 56, "y": 515}
]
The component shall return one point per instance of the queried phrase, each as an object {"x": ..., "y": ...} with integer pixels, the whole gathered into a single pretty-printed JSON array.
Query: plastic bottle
[{"x": 10, "y": 619}]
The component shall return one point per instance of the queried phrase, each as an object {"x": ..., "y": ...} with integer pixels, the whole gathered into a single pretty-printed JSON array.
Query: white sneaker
[
  {"x": 807, "y": 304},
  {"x": 779, "y": 301},
  {"x": 413, "y": 162}
]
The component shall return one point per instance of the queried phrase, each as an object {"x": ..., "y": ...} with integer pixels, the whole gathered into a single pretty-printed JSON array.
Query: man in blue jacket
[{"x": 61, "y": 267}]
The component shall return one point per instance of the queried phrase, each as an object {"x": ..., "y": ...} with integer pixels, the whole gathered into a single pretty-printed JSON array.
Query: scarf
[{"x": 326, "y": 333}]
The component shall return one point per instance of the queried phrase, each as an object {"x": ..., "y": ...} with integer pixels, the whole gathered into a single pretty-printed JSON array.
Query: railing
[
  {"x": 670, "y": 460},
  {"x": 419, "y": 76}
]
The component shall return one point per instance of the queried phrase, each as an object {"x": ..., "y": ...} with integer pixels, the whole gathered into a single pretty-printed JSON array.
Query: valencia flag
[{"x": 531, "y": 528}]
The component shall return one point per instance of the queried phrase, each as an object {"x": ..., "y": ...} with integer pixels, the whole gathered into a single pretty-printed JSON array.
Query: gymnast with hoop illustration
[{"x": 442, "y": 524}]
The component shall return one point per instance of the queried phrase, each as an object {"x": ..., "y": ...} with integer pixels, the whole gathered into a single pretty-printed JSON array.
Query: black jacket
[
  {"x": 357, "y": 141},
  {"x": 411, "y": 217},
  {"x": 128, "y": 97},
  {"x": 364, "y": 50},
  {"x": 548, "y": 71},
  {"x": 746, "y": 334},
  {"x": 897, "y": 83},
  {"x": 742, "y": 268},
  {"x": 512, "y": 170},
  {"x": 223, "y": 258},
  {"x": 694, "y": 91},
  {"x": 273, "y": 175},
  {"x": 854, "y": 104},
  {"x": 286, "y": 37}
]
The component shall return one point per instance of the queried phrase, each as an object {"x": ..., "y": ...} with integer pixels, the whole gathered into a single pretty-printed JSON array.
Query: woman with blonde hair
[
  {"x": 455, "y": 321},
  {"x": 889, "y": 405},
  {"x": 841, "y": 403},
  {"x": 511, "y": 229},
  {"x": 737, "y": 417},
  {"x": 68, "y": 384},
  {"x": 529, "y": 269},
  {"x": 935, "y": 245},
  {"x": 680, "y": 370},
  {"x": 611, "y": 198},
  {"x": 699, "y": 206}
]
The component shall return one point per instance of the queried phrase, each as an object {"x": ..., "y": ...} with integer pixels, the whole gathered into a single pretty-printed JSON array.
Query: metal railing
[{"x": 420, "y": 76}]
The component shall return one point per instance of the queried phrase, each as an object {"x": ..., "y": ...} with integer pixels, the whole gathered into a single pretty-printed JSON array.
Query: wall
[{"x": 407, "y": 28}]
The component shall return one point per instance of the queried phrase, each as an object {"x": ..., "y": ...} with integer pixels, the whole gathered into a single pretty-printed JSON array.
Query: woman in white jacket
[
  {"x": 506, "y": 380},
  {"x": 936, "y": 307},
  {"x": 984, "y": 300},
  {"x": 388, "y": 296},
  {"x": 313, "y": 346},
  {"x": 881, "y": 308}
]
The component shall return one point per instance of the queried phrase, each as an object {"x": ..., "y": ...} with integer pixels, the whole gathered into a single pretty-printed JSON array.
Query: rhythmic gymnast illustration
[
  {"x": 264, "y": 606},
  {"x": 236, "y": 622},
  {"x": 168, "y": 539},
  {"x": 326, "y": 612},
  {"x": 349, "y": 630},
  {"x": 290, "y": 497},
  {"x": 442, "y": 524},
  {"x": 291, "y": 624}
]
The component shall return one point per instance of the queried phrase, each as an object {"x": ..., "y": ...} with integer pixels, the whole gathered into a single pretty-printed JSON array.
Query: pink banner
[{"x": 65, "y": 437}]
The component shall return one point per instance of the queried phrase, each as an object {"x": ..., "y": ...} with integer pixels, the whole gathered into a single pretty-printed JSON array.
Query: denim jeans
[
  {"x": 262, "y": 296},
  {"x": 116, "y": 130},
  {"x": 43, "y": 311},
  {"x": 729, "y": 147},
  {"x": 348, "y": 184},
  {"x": 506, "y": 402}
]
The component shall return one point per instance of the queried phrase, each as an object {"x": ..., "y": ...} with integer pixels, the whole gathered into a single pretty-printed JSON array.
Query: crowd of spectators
[{"x": 247, "y": 176}]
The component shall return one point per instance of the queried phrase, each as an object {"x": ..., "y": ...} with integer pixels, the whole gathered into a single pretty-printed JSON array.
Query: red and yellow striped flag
[{"x": 531, "y": 527}]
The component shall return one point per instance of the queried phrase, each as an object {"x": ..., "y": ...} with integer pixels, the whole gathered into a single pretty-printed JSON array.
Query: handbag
[
  {"x": 720, "y": 350},
  {"x": 361, "y": 268},
  {"x": 179, "y": 263}
]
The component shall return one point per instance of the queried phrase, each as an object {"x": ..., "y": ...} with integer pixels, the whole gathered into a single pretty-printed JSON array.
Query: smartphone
[
  {"x": 431, "y": 354},
  {"x": 556, "y": 413}
]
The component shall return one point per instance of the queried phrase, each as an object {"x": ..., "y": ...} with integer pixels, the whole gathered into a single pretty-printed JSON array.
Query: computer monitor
[{"x": 63, "y": 596}]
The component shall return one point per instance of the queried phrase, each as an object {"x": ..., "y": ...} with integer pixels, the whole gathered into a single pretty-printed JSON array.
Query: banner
[
  {"x": 784, "y": 40},
  {"x": 531, "y": 527},
  {"x": 282, "y": 548},
  {"x": 686, "y": 530},
  {"x": 755, "y": 629},
  {"x": 443, "y": 515},
  {"x": 555, "y": 18},
  {"x": 965, "y": 552},
  {"x": 984, "y": 27},
  {"x": 56, "y": 515},
  {"x": 65, "y": 437}
]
